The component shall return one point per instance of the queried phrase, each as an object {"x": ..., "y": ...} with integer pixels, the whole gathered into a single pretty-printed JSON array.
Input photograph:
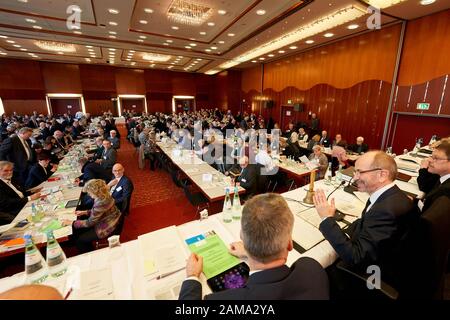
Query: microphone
[
  {"x": 340, "y": 185},
  {"x": 339, "y": 216}
]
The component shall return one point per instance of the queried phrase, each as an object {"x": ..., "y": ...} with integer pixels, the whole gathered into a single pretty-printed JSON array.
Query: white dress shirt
[
  {"x": 444, "y": 178},
  {"x": 374, "y": 196},
  {"x": 27, "y": 148},
  {"x": 8, "y": 182},
  {"x": 114, "y": 186}
]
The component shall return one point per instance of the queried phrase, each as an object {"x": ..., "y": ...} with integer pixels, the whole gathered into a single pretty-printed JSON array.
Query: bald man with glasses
[{"x": 375, "y": 238}]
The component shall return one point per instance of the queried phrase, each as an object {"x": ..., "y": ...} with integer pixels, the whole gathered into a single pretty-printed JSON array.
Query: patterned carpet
[{"x": 156, "y": 202}]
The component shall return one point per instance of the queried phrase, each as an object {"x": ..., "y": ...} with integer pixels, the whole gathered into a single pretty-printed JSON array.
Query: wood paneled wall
[
  {"x": 426, "y": 50},
  {"x": 99, "y": 84},
  {"x": 347, "y": 84}
]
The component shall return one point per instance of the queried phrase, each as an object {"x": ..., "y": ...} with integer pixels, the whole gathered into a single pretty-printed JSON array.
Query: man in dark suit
[
  {"x": 115, "y": 141},
  {"x": 289, "y": 131},
  {"x": 97, "y": 153},
  {"x": 44, "y": 132},
  {"x": 92, "y": 170},
  {"x": 12, "y": 197},
  {"x": 324, "y": 140},
  {"x": 40, "y": 171},
  {"x": 108, "y": 158},
  {"x": 246, "y": 175},
  {"x": 17, "y": 150},
  {"x": 360, "y": 147},
  {"x": 266, "y": 233},
  {"x": 121, "y": 188},
  {"x": 437, "y": 165},
  {"x": 374, "y": 238},
  {"x": 315, "y": 124}
]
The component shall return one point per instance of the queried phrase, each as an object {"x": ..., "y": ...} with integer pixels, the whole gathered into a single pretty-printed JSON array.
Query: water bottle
[
  {"x": 56, "y": 259},
  {"x": 35, "y": 267},
  {"x": 227, "y": 209},
  {"x": 33, "y": 212},
  {"x": 236, "y": 205},
  {"x": 328, "y": 175},
  {"x": 339, "y": 174}
]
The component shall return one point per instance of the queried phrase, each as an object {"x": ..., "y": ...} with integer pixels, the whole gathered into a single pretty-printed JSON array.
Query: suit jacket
[
  {"x": 426, "y": 180},
  {"x": 359, "y": 149},
  {"x": 439, "y": 190},
  {"x": 109, "y": 158},
  {"x": 10, "y": 202},
  {"x": 122, "y": 192},
  {"x": 13, "y": 150},
  {"x": 44, "y": 133},
  {"x": 115, "y": 142},
  {"x": 324, "y": 141},
  {"x": 305, "y": 279},
  {"x": 375, "y": 237},
  {"x": 37, "y": 175},
  {"x": 92, "y": 170},
  {"x": 248, "y": 179}
]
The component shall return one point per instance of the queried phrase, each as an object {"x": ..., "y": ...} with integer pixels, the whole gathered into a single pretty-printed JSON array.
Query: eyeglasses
[
  {"x": 434, "y": 158},
  {"x": 360, "y": 172}
]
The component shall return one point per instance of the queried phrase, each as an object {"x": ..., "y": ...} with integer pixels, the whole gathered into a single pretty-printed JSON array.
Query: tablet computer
[
  {"x": 72, "y": 203},
  {"x": 233, "y": 278}
]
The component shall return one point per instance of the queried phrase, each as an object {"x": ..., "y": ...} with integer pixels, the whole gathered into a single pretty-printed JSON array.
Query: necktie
[
  {"x": 20, "y": 194},
  {"x": 27, "y": 149},
  {"x": 365, "y": 208}
]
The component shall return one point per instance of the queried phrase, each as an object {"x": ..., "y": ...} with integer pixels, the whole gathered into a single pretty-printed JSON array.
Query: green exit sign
[{"x": 423, "y": 106}]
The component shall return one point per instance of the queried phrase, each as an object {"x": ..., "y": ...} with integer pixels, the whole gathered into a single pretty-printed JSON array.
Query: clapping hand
[{"x": 324, "y": 209}]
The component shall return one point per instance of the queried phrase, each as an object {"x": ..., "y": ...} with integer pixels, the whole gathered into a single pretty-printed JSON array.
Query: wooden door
[
  {"x": 59, "y": 106},
  {"x": 133, "y": 104},
  {"x": 287, "y": 115}
]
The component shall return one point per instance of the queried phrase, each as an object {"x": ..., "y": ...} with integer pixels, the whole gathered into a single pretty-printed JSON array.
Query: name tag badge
[
  {"x": 243, "y": 180},
  {"x": 104, "y": 157},
  {"x": 119, "y": 188},
  {"x": 420, "y": 204}
]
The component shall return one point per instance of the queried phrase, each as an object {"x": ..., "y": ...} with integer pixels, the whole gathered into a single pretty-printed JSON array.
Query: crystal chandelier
[
  {"x": 55, "y": 46},
  {"x": 188, "y": 13},
  {"x": 155, "y": 57}
]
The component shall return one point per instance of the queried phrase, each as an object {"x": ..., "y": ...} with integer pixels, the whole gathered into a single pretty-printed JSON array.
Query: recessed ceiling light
[
  {"x": 254, "y": 61},
  {"x": 262, "y": 58},
  {"x": 3, "y": 53},
  {"x": 23, "y": 49},
  {"x": 113, "y": 11},
  {"x": 132, "y": 51},
  {"x": 112, "y": 32},
  {"x": 128, "y": 59},
  {"x": 208, "y": 50},
  {"x": 192, "y": 44},
  {"x": 143, "y": 37},
  {"x": 112, "y": 49},
  {"x": 140, "y": 40},
  {"x": 203, "y": 33},
  {"x": 309, "y": 41},
  {"x": 221, "y": 12},
  {"x": 112, "y": 23},
  {"x": 24, "y": 1},
  {"x": 271, "y": 55},
  {"x": 112, "y": 37},
  {"x": 60, "y": 52},
  {"x": 165, "y": 43},
  {"x": 261, "y": 12},
  {"x": 211, "y": 24},
  {"x": 89, "y": 47},
  {"x": 281, "y": 51},
  {"x": 30, "y": 20},
  {"x": 87, "y": 59},
  {"x": 16, "y": 45},
  {"x": 214, "y": 48},
  {"x": 143, "y": 21},
  {"x": 133, "y": 63},
  {"x": 427, "y": 2},
  {"x": 3, "y": 37},
  {"x": 198, "y": 59},
  {"x": 78, "y": 32},
  {"x": 37, "y": 27},
  {"x": 175, "y": 28},
  {"x": 148, "y": 10},
  {"x": 293, "y": 47},
  {"x": 328, "y": 35},
  {"x": 231, "y": 34},
  {"x": 187, "y": 47},
  {"x": 10, "y": 41},
  {"x": 353, "y": 26},
  {"x": 169, "y": 41}
]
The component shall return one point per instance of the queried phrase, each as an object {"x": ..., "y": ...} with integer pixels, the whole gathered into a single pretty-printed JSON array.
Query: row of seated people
[{"x": 406, "y": 242}]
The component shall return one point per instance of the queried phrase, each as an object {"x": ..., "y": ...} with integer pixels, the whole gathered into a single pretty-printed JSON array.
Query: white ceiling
[{"x": 191, "y": 48}]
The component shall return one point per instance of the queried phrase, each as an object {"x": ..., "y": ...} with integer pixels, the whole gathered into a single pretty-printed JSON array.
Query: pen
[
  {"x": 68, "y": 294},
  {"x": 168, "y": 273}
]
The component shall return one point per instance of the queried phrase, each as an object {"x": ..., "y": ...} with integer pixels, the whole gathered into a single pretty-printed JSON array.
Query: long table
[
  {"x": 59, "y": 190},
  {"x": 128, "y": 271},
  {"x": 211, "y": 182}
]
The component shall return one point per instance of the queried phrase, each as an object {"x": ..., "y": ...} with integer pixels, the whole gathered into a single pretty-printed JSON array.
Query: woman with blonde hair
[{"x": 102, "y": 219}]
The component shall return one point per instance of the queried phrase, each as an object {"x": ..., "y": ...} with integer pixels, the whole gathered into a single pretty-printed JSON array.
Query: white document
[
  {"x": 96, "y": 285},
  {"x": 362, "y": 196},
  {"x": 305, "y": 234},
  {"x": 207, "y": 177},
  {"x": 304, "y": 159}
]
